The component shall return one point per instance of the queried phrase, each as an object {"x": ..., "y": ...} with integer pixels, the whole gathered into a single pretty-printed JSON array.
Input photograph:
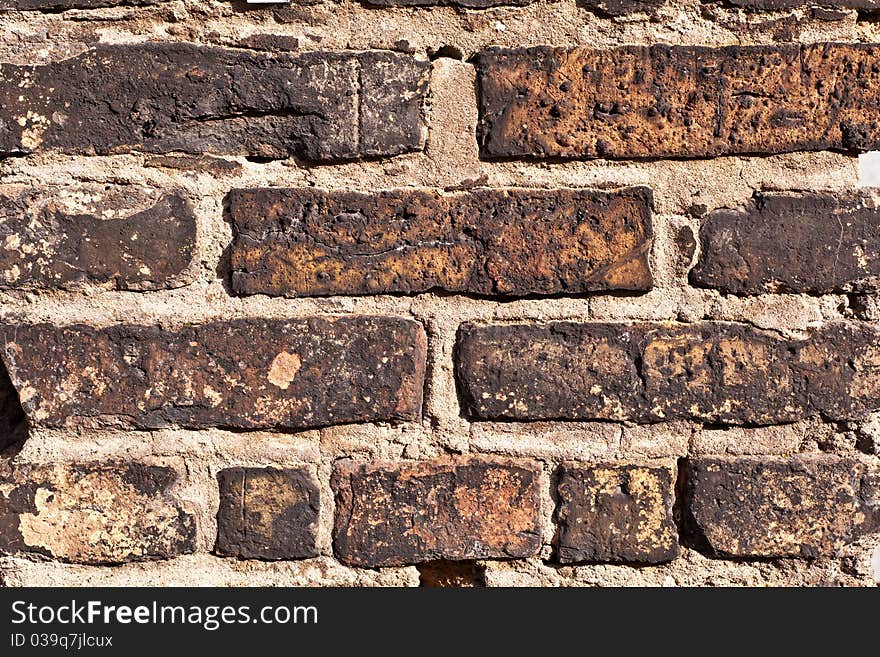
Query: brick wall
[{"x": 452, "y": 293}]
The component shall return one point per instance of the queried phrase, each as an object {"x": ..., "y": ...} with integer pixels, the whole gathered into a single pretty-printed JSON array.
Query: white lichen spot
[
  {"x": 283, "y": 369},
  {"x": 213, "y": 397},
  {"x": 11, "y": 242}
]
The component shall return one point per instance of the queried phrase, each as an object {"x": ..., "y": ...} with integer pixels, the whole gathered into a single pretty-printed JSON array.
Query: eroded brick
[
  {"x": 93, "y": 513},
  {"x": 267, "y": 513},
  {"x": 708, "y": 371},
  {"x": 58, "y": 5},
  {"x": 678, "y": 101},
  {"x": 246, "y": 373},
  {"x": 391, "y": 514},
  {"x": 616, "y": 513},
  {"x": 807, "y": 505},
  {"x": 792, "y": 242},
  {"x": 56, "y": 237},
  {"x": 164, "y": 97},
  {"x": 300, "y": 242},
  {"x": 623, "y": 7}
]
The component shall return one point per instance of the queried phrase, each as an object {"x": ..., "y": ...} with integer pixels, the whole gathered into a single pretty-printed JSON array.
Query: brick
[
  {"x": 57, "y": 5},
  {"x": 13, "y": 428},
  {"x": 777, "y": 5},
  {"x": 623, "y": 7},
  {"x": 707, "y": 371},
  {"x": 302, "y": 242},
  {"x": 468, "y": 4},
  {"x": 807, "y": 506},
  {"x": 803, "y": 242},
  {"x": 616, "y": 513},
  {"x": 244, "y": 374},
  {"x": 267, "y": 513},
  {"x": 129, "y": 240},
  {"x": 678, "y": 101},
  {"x": 391, "y": 514},
  {"x": 164, "y": 97},
  {"x": 93, "y": 513}
]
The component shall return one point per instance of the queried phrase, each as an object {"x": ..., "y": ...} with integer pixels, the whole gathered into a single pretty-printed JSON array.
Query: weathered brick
[
  {"x": 164, "y": 97},
  {"x": 806, "y": 506},
  {"x": 678, "y": 101},
  {"x": 54, "y": 237},
  {"x": 246, "y": 373},
  {"x": 267, "y": 513},
  {"x": 617, "y": 513},
  {"x": 623, "y": 7},
  {"x": 56, "y": 5},
  {"x": 469, "y": 4},
  {"x": 792, "y": 242},
  {"x": 410, "y": 512},
  {"x": 708, "y": 371},
  {"x": 776, "y": 5},
  {"x": 300, "y": 242},
  {"x": 93, "y": 513}
]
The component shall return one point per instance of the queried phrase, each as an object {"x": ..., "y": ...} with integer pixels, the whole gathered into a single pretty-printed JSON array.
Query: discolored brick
[
  {"x": 267, "y": 513},
  {"x": 59, "y": 5},
  {"x": 245, "y": 373},
  {"x": 57, "y": 237},
  {"x": 644, "y": 372},
  {"x": 792, "y": 242},
  {"x": 777, "y": 5},
  {"x": 623, "y": 7},
  {"x": 616, "y": 513},
  {"x": 93, "y": 513},
  {"x": 390, "y": 514},
  {"x": 678, "y": 101},
  {"x": 806, "y": 505},
  {"x": 302, "y": 242},
  {"x": 468, "y": 4},
  {"x": 163, "y": 97}
]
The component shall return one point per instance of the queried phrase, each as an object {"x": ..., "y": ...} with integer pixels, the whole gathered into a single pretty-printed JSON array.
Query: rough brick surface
[
  {"x": 801, "y": 242},
  {"x": 678, "y": 101},
  {"x": 266, "y": 513},
  {"x": 410, "y": 512},
  {"x": 124, "y": 239},
  {"x": 620, "y": 512},
  {"x": 57, "y": 5},
  {"x": 776, "y": 5},
  {"x": 470, "y": 4},
  {"x": 158, "y": 98},
  {"x": 712, "y": 372},
  {"x": 93, "y": 513},
  {"x": 806, "y": 506},
  {"x": 623, "y": 7},
  {"x": 299, "y": 242},
  {"x": 247, "y": 373}
]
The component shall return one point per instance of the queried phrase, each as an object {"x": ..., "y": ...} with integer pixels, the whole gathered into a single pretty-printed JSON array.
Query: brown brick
[
  {"x": 390, "y": 514},
  {"x": 708, "y": 371},
  {"x": 619, "y": 513},
  {"x": 469, "y": 4},
  {"x": 678, "y": 101},
  {"x": 246, "y": 373},
  {"x": 786, "y": 242},
  {"x": 623, "y": 7},
  {"x": 300, "y": 242},
  {"x": 776, "y": 5},
  {"x": 57, "y": 5},
  {"x": 164, "y": 97},
  {"x": 93, "y": 513},
  {"x": 266, "y": 513},
  {"x": 805, "y": 506},
  {"x": 124, "y": 237}
]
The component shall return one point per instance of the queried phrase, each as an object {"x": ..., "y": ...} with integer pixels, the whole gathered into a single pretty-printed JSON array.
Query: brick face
[
  {"x": 146, "y": 244},
  {"x": 181, "y": 97},
  {"x": 243, "y": 374},
  {"x": 267, "y": 513},
  {"x": 784, "y": 242},
  {"x": 302, "y": 242},
  {"x": 403, "y": 513},
  {"x": 56, "y": 5},
  {"x": 712, "y": 372},
  {"x": 616, "y": 513},
  {"x": 93, "y": 513},
  {"x": 805, "y": 506},
  {"x": 677, "y": 101}
]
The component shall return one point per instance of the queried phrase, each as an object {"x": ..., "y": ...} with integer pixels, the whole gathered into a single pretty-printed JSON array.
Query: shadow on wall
[{"x": 13, "y": 424}]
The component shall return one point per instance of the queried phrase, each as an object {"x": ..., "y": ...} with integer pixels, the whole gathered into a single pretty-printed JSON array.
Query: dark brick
[
  {"x": 710, "y": 372},
  {"x": 623, "y": 7},
  {"x": 806, "y": 506},
  {"x": 777, "y": 5},
  {"x": 678, "y": 101},
  {"x": 616, "y": 513},
  {"x": 164, "y": 97},
  {"x": 246, "y": 373},
  {"x": 798, "y": 242},
  {"x": 93, "y": 513},
  {"x": 266, "y": 513},
  {"x": 391, "y": 514},
  {"x": 301, "y": 242},
  {"x": 51, "y": 237},
  {"x": 57, "y": 5}
]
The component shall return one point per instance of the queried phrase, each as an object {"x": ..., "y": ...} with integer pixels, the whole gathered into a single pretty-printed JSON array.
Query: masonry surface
[{"x": 439, "y": 292}]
